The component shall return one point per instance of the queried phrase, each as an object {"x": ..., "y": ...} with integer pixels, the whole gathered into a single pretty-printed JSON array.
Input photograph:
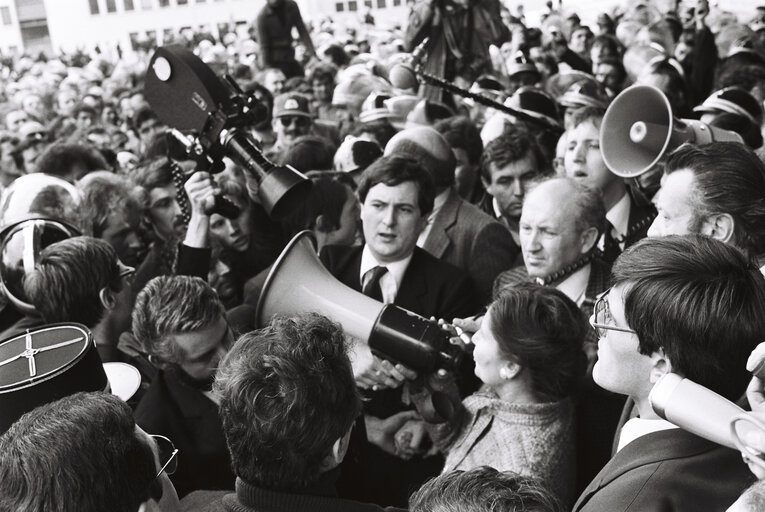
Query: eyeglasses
[
  {"x": 746, "y": 428},
  {"x": 126, "y": 272},
  {"x": 300, "y": 122},
  {"x": 167, "y": 452},
  {"x": 601, "y": 315}
]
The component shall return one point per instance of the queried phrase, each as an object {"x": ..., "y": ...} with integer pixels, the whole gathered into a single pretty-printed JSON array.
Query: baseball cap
[{"x": 291, "y": 104}]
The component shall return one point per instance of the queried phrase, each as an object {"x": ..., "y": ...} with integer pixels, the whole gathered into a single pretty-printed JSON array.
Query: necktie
[{"x": 371, "y": 287}]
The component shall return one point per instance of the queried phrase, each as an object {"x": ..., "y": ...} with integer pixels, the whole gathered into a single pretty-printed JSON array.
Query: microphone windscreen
[{"x": 402, "y": 77}]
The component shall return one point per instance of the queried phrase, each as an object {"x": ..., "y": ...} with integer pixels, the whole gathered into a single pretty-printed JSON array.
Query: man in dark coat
[
  {"x": 397, "y": 195},
  {"x": 661, "y": 285}
]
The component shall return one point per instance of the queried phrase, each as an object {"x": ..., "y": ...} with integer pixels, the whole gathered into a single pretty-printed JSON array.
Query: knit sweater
[{"x": 529, "y": 439}]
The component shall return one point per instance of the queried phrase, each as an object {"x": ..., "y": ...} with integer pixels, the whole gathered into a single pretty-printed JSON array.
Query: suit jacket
[
  {"x": 668, "y": 471},
  {"x": 430, "y": 287},
  {"x": 642, "y": 214},
  {"x": 463, "y": 235},
  {"x": 191, "y": 421}
]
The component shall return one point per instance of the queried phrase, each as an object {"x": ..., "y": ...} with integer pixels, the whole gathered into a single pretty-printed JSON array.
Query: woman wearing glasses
[{"x": 528, "y": 353}]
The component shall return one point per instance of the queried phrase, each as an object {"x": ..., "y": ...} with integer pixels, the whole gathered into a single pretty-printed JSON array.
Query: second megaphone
[{"x": 639, "y": 129}]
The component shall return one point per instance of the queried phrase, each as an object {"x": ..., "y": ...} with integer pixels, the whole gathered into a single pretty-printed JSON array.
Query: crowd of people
[{"x": 570, "y": 286}]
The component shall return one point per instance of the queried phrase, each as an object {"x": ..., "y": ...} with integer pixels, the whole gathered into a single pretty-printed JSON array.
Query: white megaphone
[
  {"x": 639, "y": 129},
  {"x": 299, "y": 283},
  {"x": 696, "y": 409}
]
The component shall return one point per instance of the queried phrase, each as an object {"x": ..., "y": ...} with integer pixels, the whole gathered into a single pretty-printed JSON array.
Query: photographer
[{"x": 460, "y": 33}]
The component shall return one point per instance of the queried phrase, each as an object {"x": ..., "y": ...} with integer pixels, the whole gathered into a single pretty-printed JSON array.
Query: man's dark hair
[
  {"x": 513, "y": 144},
  {"x": 380, "y": 129},
  {"x": 584, "y": 114},
  {"x": 287, "y": 394},
  {"x": 728, "y": 178},
  {"x": 83, "y": 107},
  {"x": 62, "y": 160},
  {"x": 142, "y": 115},
  {"x": 154, "y": 174},
  {"x": 543, "y": 331},
  {"x": 102, "y": 193},
  {"x": 170, "y": 305},
  {"x": 461, "y": 133},
  {"x": 698, "y": 299},
  {"x": 79, "y": 453},
  {"x": 327, "y": 198},
  {"x": 65, "y": 284},
  {"x": 308, "y": 153},
  {"x": 394, "y": 170},
  {"x": 483, "y": 489}
]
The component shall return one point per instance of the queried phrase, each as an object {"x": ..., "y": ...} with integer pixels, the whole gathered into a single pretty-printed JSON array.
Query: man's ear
[
  {"x": 336, "y": 455},
  {"x": 720, "y": 227},
  {"x": 108, "y": 297},
  {"x": 322, "y": 224},
  {"x": 588, "y": 239},
  {"x": 661, "y": 365},
  {"x": 510, "y": 370}
]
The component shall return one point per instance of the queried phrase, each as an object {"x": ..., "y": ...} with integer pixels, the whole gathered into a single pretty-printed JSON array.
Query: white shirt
[
  {"x": 390, "y": 281},
  {"x": 575, "y": 285},
  {"x": 619, "y": 217},
  {"x": 438, "y": 203},
  {"x": 638, "y": 427}
]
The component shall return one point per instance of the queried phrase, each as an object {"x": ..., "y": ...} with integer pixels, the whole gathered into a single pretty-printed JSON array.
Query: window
[
  {"x": 381, "y": 4},
  {"x": 352, "y": 6},
  {"x": 182, "y": 2},
  {"x": 339, "y": 7},
  {"x": 368, "y": 3},
  {"x": 111, "y": 5},
  {"x": 93, "y": 6},
  {"x": 164, "y": 3},
  {"x": 128, "y": 5},
  {"x": 396, "y": 3},
  {"x": 5, "y": 12}
]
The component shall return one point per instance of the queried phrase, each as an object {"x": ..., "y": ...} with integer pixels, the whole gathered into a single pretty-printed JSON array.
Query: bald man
[{"x": 457, "y": 232}]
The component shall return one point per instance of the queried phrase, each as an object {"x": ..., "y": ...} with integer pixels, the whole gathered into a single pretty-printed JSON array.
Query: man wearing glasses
[
  {"x": 89, "y": 444},
  {"x": 688, "y": 305},
  {"x": 180, "y": 322},
  {"x": 291, "y": 119}
]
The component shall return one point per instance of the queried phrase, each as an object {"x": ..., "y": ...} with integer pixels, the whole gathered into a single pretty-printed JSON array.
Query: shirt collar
[
  {"x": 575, "y": 285},
  {"x": 495, "y": 206},
  {"x": 638, "y": 427},
  {"x": 619, "y": 215},
  {"x": 396, "y": 268}
]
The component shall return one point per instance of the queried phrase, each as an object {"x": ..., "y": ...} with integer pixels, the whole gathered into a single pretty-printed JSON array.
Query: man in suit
[
  {"x": 649, "y": 325},
  {"x": 182, "y": 325},
  {"x": 628, "y": 212},
  {"x": 715, "y": 190},
  {"x": 509, "y": 164},
  {"x": 560, "y": 224},
  {"x": 457, "y": 232},
  {"x": 396, "y": 195}
]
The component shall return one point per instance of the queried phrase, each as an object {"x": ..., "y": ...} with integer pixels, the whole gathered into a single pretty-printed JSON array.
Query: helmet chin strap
[{"x": 565, "y": 271}]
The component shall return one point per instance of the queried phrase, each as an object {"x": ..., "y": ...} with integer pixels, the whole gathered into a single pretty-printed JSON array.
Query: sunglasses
[
  {"x": 601, "y": 319},
  {"x": 167, "y": 452},
  {"x": 300, "y": 122}
]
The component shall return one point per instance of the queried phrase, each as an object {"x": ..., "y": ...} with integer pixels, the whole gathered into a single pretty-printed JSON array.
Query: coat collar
[{"x": 439, "y": 239}]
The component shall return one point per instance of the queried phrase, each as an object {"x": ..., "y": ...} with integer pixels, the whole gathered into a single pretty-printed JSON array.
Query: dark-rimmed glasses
[
  {"x": 167, "y": 452},
  {"x": 601, "y": 319}
]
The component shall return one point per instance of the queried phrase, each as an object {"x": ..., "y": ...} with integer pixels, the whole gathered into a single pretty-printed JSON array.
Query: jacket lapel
[{"x": 438, "y": 239}]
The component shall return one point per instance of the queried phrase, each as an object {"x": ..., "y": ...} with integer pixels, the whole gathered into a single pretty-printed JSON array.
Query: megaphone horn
[
  {"x": 299, "y": 283},
  {"x": 639, "y": 129}
]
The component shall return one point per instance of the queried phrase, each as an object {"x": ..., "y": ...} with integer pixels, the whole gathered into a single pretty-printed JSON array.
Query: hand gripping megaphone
[
  {"x": 639, "y": 129},
  {"x": 299, "y": 283}
]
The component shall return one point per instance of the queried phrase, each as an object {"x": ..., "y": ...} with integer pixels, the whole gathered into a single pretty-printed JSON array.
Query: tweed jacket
[
  {"x": 529, "y": 439},
  {"x": 463, "y": 235}
]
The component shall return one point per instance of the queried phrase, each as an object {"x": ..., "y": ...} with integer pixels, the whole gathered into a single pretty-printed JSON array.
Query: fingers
[
  {"x": 756, "y": 361},
  {"x": 756, "y": 395},
  {"x": 468, "y": 325}
]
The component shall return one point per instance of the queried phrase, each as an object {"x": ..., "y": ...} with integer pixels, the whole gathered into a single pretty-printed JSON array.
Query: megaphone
[
  {"x": 696, "y": 409},
  {"x": 638, "y": 129},
  {"x": 299, "y": 283}
]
